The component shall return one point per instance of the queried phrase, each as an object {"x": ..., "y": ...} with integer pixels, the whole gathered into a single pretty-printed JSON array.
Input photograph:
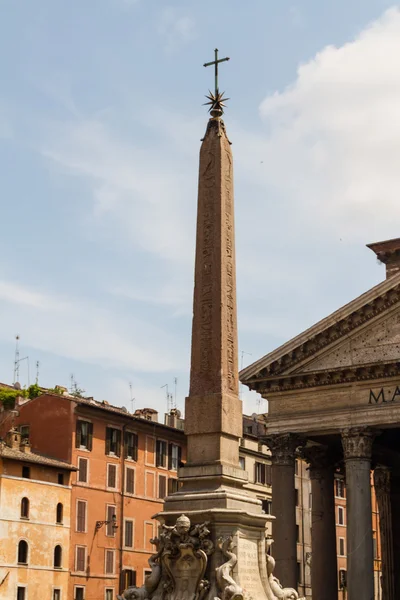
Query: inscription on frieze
[{"x": 384, "y": 395}]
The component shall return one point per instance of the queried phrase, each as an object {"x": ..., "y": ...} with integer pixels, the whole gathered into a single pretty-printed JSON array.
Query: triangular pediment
[
  {"x": 374, "y": 343},
  {"x": 365, "y": 331}
]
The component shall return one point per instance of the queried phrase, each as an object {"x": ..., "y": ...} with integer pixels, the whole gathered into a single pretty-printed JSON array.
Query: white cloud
[
  {"x": 333, "y": 146},
  {"x": 176, "y": 29},
  {"x": 83, "y": 331},
  {"x": 138, "y": 190}
]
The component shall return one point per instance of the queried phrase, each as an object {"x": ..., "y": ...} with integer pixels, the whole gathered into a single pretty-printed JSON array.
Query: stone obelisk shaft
[{"x": 213, "y": 419}]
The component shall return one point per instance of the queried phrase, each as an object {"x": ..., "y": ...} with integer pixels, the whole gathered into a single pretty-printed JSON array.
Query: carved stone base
[{"x": 238, "y": 568}]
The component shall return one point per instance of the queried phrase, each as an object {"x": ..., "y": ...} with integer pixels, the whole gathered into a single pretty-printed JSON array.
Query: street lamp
[{"x": 113, "y": 520}]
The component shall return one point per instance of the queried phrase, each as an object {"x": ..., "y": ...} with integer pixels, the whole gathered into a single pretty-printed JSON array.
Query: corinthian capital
[
  {"x": 357, "y": 442},
  {"x": 320, "y": 459},
  {"x": 382, "y": 480},
  {"x": 283, "y": 447}
]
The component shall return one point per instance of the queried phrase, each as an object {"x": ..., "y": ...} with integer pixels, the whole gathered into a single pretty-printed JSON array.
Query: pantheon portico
[{"x": 334, "y": 397}]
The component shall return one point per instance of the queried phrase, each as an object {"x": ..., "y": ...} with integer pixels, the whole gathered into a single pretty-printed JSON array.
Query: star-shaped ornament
[{"x": 216, "y": 101}]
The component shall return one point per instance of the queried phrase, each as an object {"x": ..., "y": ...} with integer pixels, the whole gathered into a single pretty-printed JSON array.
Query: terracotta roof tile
[{"x": 34, "y": 457}]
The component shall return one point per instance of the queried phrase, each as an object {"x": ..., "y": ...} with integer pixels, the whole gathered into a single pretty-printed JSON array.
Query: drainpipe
[{"x": 121, "y": 538}]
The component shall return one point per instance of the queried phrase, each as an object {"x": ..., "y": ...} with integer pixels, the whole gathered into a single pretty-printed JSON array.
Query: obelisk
[{"x": 212, "y": 496}]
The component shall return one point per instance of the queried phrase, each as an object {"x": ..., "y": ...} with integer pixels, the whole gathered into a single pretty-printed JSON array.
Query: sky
[{"x": 101, "y": 118}]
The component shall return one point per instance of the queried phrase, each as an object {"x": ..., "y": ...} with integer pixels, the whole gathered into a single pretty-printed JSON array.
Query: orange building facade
[
  {"x": 35, "y": 497},
  {"x": 126, "y": 465}
]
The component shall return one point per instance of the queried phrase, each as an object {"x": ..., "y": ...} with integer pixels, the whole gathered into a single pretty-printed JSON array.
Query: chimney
[
  {"x": 388, "y": 252},
  {"x": 13, "y": 439},
  {"x": 25, "y": 446}
]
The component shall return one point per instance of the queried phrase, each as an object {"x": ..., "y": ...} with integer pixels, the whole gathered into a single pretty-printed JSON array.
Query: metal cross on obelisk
[
  {"x": 216, "y": 62},
  {"x": 216, "y": 99}
]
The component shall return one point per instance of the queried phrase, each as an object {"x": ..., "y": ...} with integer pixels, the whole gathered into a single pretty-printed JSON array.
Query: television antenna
[
  {"x": 132, "y": 399},
  {"x": 18, "y": 360}
]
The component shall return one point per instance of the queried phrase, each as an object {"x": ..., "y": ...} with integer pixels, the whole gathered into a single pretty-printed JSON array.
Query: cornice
[{"x": 327, "y": 378}]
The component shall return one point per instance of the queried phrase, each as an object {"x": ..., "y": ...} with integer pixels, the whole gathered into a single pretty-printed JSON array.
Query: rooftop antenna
[
  {"x": 37, "y": 372},
  {"x": 175, "y": 389},
  {"x": 73, "y": 383},
  {"x": 18, "y": 360},
  {"x": 132, "y": 399},
  {"x": 168, "y": 395},
  {"x": 241, "y": 367}
]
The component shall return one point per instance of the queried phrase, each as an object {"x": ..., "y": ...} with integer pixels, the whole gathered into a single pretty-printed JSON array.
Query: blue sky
[{"x": 100, "y": 124}]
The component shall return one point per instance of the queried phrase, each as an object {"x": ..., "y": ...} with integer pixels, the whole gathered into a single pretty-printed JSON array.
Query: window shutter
[
  {"x": 126, "y": 443},
  {"x": 129, "y": 534},
  {"x": 109, "y": 561},
  {"x": 108, "y": 440},
  {"x": 83, "y": 470},
  {"x": 135, "y": 446},
  {"x": 78, "y": 434},
  {"x": 130, "y": 481},
  {"x": 118, "y": 448},
  {"x": 162, "y": 486},
  {"x": 80, "y": 558},
  {"x": 169, "y": 456},
  {"x": 110, "y": 512},
  {"x": 81, "y": 516},
  {"x": 90, "y": 436},
  {"x": 112, "y": 476}
]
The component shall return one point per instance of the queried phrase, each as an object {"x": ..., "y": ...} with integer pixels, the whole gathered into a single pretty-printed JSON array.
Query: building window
[
  {"x": 296, "y": 496},
  {"x": 131, "y": 443},
  {"x": 23, "y": 553},
  {"x": 81, "y": 516},
  {"x": 112, "y": 476},
  {"x": 161, "y": 453},
  {"x": 83, "y": 469},
  {"x": 79, "y": 593},
  {"x": 84, "y": 435},
  {"x": 162, "y": 486},
  {"x": 296, "y": 468},
  {"x": 80, "y": 559},
  {"x": 128, "y": 579},
  {"x": 60, "y": 479},
  {"x": 242, "y": 463},
  {"x": 21, "y": 595},
  {"x": 128, "y": 537},
  {"x": 342, "y": 579},
  {"x": 57, "y": 557},
  {"x": 130, "y": 481},
  {"x": 25, "y": 508},
  {"x": 59, "y": 513},
  {"x": 110, "y": 562},
  {"x": 298, "y": 533},
  {"x": 299, "y": 577},
  {"x": 174, "y": 457},
  {"x": 340, "y": 515},
  {"x": 110, "y": 517},
  {"x": 262, "y": 473},
  {"x": 341, "y": 547},
  {"x": 109, "y": 594},
  {"x": 26, "y": 472},
  {"x": 267, "y": 506},
  {"x": 113, "y": 441},
  {"x": 24, "y": 431},
  {"x": 339, "y": 488},
  {"x": 56, "y": 594},
  {"x": 173, "y": 486}
]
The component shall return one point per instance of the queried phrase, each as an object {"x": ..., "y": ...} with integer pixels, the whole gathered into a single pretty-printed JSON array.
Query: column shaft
[
  {"x": 395, "y": 515},
  {"x": 284, "y": 548},
  {"x": 324, "y": 578},
  {"x": 357, "y": 446},
  {"x": 382, "y": 491}
]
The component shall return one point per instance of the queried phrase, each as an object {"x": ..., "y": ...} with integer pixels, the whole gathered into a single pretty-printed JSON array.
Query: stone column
[
  {"x": 395, "y": 516},
  {"x": 357, "y": 447},
  {"x": 382, "y": 491},
  {"x": 284, "y": 550},
  {"x": 324, "y": 583}
]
